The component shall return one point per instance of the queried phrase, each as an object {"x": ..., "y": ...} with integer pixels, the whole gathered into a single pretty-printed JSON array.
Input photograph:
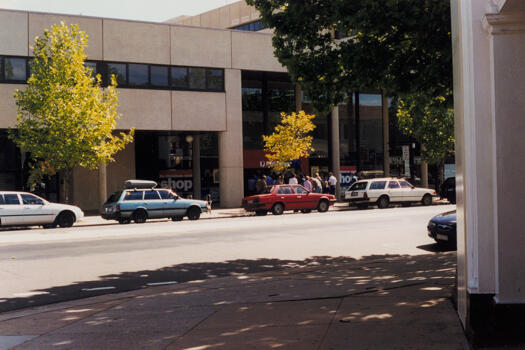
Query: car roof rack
[{"x": 136, "y": 184}]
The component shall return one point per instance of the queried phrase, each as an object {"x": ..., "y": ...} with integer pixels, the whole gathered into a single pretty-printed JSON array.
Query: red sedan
[{"x": 279, "y": 198}]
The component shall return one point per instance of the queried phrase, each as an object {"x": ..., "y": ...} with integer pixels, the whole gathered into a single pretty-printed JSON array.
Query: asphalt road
[{"x": 45, "y": 266}]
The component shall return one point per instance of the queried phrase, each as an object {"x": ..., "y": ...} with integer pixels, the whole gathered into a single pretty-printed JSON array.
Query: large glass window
[
  {"x": 119, "y": 70},
  {"x": 215, "y": 79},
  {"x": 159, "y": 76},
  {"x": 138, "y": 74},
  {"x": 179, "y": 77},
  {"x": 15, "y": 69},
  {"x": 197, "y": 78},
  {"x": 370, "y": 131}
]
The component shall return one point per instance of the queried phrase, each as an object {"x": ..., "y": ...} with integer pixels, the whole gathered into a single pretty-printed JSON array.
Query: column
[
  {"x": 231, "y": 171},
  {"x": 424, "y": 173},
  {"x": 196, "y": 166},
  {"x": 386, "y": 137},
  {"x": 336, "y": 158},
  {"x": 102, "y": 184}
]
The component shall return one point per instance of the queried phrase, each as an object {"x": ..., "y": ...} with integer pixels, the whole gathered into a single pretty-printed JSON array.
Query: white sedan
[{"x": 26, "y": 209}]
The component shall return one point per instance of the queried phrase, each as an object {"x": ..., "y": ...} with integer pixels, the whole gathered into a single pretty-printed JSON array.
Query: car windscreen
[
  {"x": 358, "y": 186},
  {"x": 114, "y": 197},
  {"x": 267, "y": 190}
]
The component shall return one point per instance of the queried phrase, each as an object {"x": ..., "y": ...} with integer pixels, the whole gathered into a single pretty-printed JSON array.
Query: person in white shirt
[
  {"x": 293, "y": 180},
  {"x": 332, "y": 182}
]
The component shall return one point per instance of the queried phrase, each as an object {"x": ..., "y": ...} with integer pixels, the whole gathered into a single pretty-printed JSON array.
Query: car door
[
  {"x": 154, "y": 204},
  {"x": 11, "y": 212},
  {"x": 287, "y": 197},
  {"x": 35, "y": 210},
  {"x": 173, "y": 204},
  {"x": 410, "y": 194},
  {"x": 303, "y": 198},
  {"x": 395, "y": 192}
]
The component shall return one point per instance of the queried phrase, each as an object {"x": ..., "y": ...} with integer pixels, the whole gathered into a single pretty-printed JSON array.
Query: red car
[{"x": 279, "y": 198}]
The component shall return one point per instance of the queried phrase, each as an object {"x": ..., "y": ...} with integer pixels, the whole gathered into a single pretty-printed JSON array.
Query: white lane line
[
  {"x": 161, "y": 283},
  {"x": 99, "y": 288}
]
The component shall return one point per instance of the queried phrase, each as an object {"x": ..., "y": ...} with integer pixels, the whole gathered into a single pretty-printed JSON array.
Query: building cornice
[{"x": 497, "y": 24}]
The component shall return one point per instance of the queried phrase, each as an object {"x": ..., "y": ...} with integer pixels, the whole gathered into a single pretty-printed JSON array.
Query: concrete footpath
[{"x": 380, "y": 302}]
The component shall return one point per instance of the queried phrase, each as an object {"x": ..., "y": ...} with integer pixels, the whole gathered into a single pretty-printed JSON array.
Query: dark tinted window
[
  {"x": 119, "y": 70},
  {"x": 215, "y": 79},
  {"x": 300, "y": 190},
  {"x": 30, "y": 199},
  {"x": 197, "y": 78},
  {"x": 393, "y": 184},
  {"x": 133, "y": 196},
  {"x": 166, "y": 194},
  {"x": 138, "y": 74},
  {"x": 11, "y": 199},
  {"x": 159, "y": 76},
  {"x": 114, "y": 197},
  {"x": 377, "y": 185},
  {"x": 15, "y": 68},
  {"x": 358, "y": 186},
  {"x": 93, "y": 66},
  {"x": 405, "y": 184},
  {"x": 179, "y": 77},
  {"x": 151, "y": 195},
  {"x": 1, "y": 199}
]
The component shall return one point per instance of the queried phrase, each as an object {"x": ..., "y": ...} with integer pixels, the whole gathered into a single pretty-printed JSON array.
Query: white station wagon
[
  {"x": 27, "y": 209},
  {"x": 383, "y": 191}
]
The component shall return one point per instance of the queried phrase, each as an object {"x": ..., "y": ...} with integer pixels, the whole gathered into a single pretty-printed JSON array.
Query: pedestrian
[
  {"x": 332, "y": 182},
  {"x": 318, "y": 184},
  {"x": 261, "y": 184},
  {"x": 293, "y": 180},
  {"x": 307, "y": 184}
]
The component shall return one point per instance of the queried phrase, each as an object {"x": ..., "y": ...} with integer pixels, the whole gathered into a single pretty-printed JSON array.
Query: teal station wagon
[{"x": 141, "y": 200}]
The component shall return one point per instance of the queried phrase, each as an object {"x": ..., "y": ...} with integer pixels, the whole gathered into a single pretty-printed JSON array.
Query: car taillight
[
  {"x": 365, "y": 196},
  {"x": 434, "y": 193},
  {"x": 117, "y": 207}
]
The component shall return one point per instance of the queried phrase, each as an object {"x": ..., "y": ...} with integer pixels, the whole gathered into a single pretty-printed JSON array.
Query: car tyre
[
  {"x": 124, "y": 221},
  {"x": 261, "y": 212},
  {"x": 177, "y": 218},
  {"x": 426, "y": 200},
  {"x": 278, "y": 209},
  {"x": 323, "y": 206},
  {"x": 383, "y": 202},
  {"x": 139, "y": 216},
  {"x": 194, "y": 213},
  {"x": 65, "y": 219}
]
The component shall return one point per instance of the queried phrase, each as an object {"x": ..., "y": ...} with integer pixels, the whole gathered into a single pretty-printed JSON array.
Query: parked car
[
  {"x": 27, "y": 209},
  {"x": 141, "y": 200},
  {"x": 279, "y": 198},
  {"x": 448, "y": 190},
  {"x": 383, "y": 191},
  {"x": 442, "y": 228}
]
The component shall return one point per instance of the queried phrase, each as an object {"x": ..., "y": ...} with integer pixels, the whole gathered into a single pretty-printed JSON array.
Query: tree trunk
[{"x": 66, "y": 177}]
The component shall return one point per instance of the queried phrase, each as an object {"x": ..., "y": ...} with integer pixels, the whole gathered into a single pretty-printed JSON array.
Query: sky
[{"x": 141, "y": 10}]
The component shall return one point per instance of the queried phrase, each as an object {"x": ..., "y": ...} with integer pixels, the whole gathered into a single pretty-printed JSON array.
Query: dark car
[
  {"x": 448, "y": 190},
  {"x": 442, "y": 228},
  {"x": 279, "y": 198}
]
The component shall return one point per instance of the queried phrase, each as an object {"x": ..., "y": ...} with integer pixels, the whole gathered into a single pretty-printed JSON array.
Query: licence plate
[
  {"x": 250, "y": 201},
  {"x": 354, "y": 194},
  {"x": 442, "y": 237}
]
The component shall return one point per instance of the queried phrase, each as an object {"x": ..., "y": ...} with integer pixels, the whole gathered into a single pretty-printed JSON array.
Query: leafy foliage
[
  {"x": 65, "y": 119},
  {"x": 290, "y": 140},
  {"x": 402, "y": 47}
]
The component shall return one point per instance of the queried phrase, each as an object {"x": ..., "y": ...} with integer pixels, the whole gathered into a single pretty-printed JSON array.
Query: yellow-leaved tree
[
  {"x": 65, "y": 118},
  {"x": 290, "y": 140}
]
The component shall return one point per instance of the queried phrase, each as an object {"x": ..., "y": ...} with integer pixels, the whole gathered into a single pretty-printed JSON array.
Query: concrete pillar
[
  {"x": 336, "y": 158},
  {"x": 102, "y": 184},
  {"x": 231, "y": 171},
  {"x": 196, "y": 162},
  {"x": 386, "y": 137}
]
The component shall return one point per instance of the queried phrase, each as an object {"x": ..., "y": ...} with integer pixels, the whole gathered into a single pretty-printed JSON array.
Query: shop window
[
  {"x": 15, "y": 69},
  {"x": 138, "y": 75},
  {"x": 119, "y": 71},
  {"x": 179, "y": 77},
  {"x": 197, "y": 78},
  {"x": 159, "y": 76}
]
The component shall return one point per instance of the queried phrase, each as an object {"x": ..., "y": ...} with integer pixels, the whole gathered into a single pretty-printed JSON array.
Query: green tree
[
  {"x": 290, "y": 141},
  {"x": 65, "y": 119},
  {"x": 402, "y": 47}
]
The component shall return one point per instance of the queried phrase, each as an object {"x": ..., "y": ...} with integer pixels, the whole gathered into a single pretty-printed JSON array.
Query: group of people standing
[{"x": 316, "y": 183}]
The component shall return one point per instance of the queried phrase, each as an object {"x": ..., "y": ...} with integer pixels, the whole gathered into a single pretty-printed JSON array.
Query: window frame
[{"x": 3, "y": 77}]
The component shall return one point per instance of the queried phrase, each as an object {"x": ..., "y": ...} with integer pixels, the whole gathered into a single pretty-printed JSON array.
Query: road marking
[
  {"x": 99, "y": 288},
  {"x": 162, "y": 283}
]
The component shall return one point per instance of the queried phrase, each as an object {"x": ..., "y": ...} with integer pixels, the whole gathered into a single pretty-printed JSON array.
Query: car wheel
[
  {"x": 261, "y": 212},
  {"x": 278, "y": 209},
  {"x": 427, "y": 200},
  {"x": 177, "y": 218},
  {"x": 139, "y": 216},
  {"x": 194, "y": 213},
  {"x": 323, "y": 206},
  {"x": 124, "y": 221},
  {"x": 306, "y": 211},
  {"x": 383, "y": 202},
  {"x": 66, "y": 219}
]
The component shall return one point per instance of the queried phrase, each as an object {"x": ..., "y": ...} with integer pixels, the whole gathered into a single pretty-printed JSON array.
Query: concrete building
[{"x": 489, "y": 88}]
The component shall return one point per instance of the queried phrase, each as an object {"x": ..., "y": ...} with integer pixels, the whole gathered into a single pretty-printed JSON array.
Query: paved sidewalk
[{"x": 379, "y": 302}]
